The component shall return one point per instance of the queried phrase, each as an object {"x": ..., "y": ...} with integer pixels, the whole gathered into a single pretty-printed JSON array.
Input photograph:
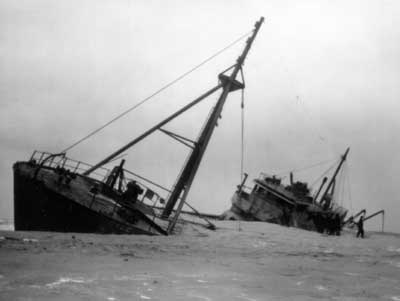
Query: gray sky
[{"x": 321, "y": 76}]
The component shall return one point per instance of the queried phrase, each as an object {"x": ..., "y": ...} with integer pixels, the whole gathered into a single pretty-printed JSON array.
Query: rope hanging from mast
[
  {"x": 185, "y": 179},
  {"x": 242, "y": 130},
  {"x": 242, "y": 137},
  {"x": 157, "y": 92}
]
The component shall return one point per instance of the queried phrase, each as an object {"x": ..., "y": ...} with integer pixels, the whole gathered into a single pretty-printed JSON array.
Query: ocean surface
[{"x": 238, "y": 261}]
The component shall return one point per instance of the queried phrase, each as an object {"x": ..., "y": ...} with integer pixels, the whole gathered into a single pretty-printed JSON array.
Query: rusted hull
[{"x": 44, "y": 203}]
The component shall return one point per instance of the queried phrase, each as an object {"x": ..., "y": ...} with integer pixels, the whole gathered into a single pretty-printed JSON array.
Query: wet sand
[{"x": 246, "y": 261}]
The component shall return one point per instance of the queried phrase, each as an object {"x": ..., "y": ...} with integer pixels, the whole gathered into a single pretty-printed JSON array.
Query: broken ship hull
[
  {"x": 47, "y": 200},
  {"x": 252, "y": 207},
  {"x": 269, "y": 200}
]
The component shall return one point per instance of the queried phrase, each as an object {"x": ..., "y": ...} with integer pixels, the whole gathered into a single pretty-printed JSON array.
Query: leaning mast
[
  {"x": 333, "y": 179},
  {"x": 229, "y": 84},
  {"x": 185, "y": 179}
]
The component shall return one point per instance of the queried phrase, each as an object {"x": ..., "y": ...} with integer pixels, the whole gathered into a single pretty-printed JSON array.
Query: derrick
[{"x": 185, "y": 179}]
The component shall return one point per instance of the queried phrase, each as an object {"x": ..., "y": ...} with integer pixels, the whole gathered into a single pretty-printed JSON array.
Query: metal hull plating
[{"x": 43, "y": 201}]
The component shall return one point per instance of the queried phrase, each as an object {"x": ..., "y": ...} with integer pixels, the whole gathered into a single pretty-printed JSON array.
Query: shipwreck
[
  {"x": 53, "y": 192},
  {"x": 269, "y": 200}
]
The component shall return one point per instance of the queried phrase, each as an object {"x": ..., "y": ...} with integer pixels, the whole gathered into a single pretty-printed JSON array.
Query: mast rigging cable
[
  {"x": 306, "y": 167},
  {"x": 157, "y": 92},
  {"x": 326, "y": 172},
  {"x": 242, "y": 137},
  {"x": 242, "y": 129}
]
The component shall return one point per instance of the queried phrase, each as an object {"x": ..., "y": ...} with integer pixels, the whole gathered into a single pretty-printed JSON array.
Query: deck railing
[
  {"x": 149, "y": 196},
  {"x": 72, "y": 165}
]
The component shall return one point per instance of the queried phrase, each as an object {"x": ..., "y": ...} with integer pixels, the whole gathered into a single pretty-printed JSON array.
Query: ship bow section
[{"x": 44, "y": 201}]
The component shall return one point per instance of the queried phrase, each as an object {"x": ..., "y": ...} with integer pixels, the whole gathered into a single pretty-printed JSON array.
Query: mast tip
[{"x": 259, "y": 22}]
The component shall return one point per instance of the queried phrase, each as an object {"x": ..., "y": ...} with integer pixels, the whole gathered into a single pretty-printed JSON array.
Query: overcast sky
[{"x": 321, "y": 76}]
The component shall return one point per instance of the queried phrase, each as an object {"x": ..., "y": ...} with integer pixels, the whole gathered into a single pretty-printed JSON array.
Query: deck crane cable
[
  {"x": 328, "y": 170},
  {"x": 344, "y": 197},
  {"x": 347, "y": 183},
  {"x": 135, "y": 106},
  {"x": 344, "y": 186},
  {"x": 339, "y": 192},
  {"x": 336, "y": 191},
  {"x": 342, "y": 191},
  {"x": 321, "y": 176},
  {"x": 306, "y": 167}
]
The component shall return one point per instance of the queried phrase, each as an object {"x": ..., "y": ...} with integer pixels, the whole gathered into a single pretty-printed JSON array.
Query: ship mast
[
  {"x": 184, "y": 181},
  {"x": 332, "y": 181},
  {"x": 159, "y": 126},
  {"x": 152, "y": 130}
]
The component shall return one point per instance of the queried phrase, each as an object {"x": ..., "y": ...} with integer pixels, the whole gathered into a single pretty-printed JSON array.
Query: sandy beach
[{"x": 246, "y": 261}]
